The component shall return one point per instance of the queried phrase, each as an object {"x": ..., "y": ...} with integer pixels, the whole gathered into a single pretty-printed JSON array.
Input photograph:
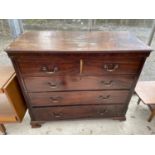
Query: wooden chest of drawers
[{"x": 70, "y": 75}]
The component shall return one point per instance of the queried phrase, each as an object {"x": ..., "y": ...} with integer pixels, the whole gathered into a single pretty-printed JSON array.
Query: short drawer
[
  {"x": 109, "y": 67},
  {"x": 75, "y": 64},
  {"x": 75, "y": 112},
  {"x": 48, "y": 67},
  {"x": 64, "y": 83},
  {"x": 78, "y": 98}
]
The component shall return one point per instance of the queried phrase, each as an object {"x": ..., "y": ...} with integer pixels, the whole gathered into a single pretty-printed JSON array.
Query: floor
[
  {"x": 136, "y": 123},
  {"x": 137, "y": 115}
]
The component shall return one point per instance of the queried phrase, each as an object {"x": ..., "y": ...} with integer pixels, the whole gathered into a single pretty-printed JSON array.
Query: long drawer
[
  {"x": 78, "y": 98},
  {"x": 78, "y": 64},
  {"x": 75, "y": 112},
  {"x": 64, "y": 83}
]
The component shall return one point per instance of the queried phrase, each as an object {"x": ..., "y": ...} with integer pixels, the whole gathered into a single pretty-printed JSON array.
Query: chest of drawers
[{"x": 72, "y": 75}]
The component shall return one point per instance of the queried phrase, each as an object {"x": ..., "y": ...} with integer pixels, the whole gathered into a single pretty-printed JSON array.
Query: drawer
[
  {"x": 75, "y": 112},
  {"x": 74, "y": 64},
  {"x": 48, "y": 68},
  {"x": 78, "y": 98},
  {"x": 64, "y": 83},
  {"x": 110, "y": 67}
]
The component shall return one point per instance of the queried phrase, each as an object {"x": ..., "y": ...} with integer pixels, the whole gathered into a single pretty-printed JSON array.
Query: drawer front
[
  {"x": 48, "y": 68},
  {"x": 63, "y": 83},
  {"x": 78, "y": 98},
  {"x": 84, "y": 64},
  {"x": 73, "y": 112},
  {"x": 108, "y": 67}
]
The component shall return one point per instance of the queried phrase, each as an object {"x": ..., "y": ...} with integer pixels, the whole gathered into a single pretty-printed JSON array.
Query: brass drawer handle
[
  {"x": 111, "y": 67},
  {"x": 107, "y": 83},
  {"x": 52, "y": 85},
  {"x": 56, "y": 115},
  {"x": 104, "y": 97},
  {"x": 47, "y": 71},
  {"x": 55, "y": 99},
  {"x": 101, "y": 113}
]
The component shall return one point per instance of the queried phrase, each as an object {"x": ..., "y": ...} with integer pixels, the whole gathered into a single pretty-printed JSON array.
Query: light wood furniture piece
[
  {"x": 74, "y": 75},
  {"x": 12, "y": 105},
  {"x": 145, "y": 90}
]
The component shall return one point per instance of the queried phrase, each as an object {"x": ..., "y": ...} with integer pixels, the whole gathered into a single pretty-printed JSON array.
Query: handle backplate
[
  {"x": 48, "y": 71},
  {"x": 111, "y": 67}
]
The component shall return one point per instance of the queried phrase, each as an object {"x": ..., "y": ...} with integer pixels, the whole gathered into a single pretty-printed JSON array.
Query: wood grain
[
  {"x": 74, "y": 112},
  {"x": 70, "y": 64},
  {"x": 7, "y": 113},
  {"x": 15, "y": 97},
  {"x": 50, "y": 73},
  {"x": 68, "y": 83},
  {"x": 6, "y": 72},
  {"x": 12, "y": 104},
  {"x": 36, "y": 68},
  {"x": 78, "y": 98},
  {"x": 58, "y": 41}
]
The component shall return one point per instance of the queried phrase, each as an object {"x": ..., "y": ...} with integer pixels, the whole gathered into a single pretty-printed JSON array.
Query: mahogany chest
[{"x": 72, "y": 75}]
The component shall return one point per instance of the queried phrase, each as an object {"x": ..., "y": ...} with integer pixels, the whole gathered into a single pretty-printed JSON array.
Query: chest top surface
[{"x": 67, "y": 41}]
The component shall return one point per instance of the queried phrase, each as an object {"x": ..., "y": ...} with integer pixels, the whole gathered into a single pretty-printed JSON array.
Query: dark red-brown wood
[
  {"x": 60, "y": 41},
  {"x": 78, "y": 98},
  {"x": 73, "y": 69},
  {"x": 69, "y": 83},
  {"x": 69, "y": 64},
  {"x": 74, "y": 112}
]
